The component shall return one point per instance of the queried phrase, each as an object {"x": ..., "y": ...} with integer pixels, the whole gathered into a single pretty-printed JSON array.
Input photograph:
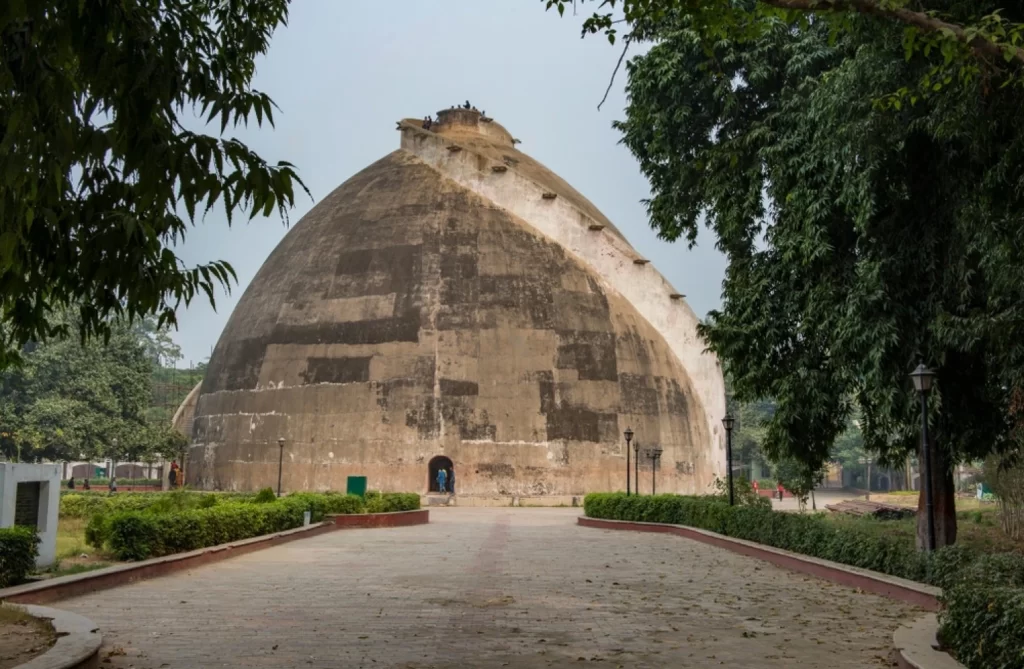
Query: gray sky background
[{"x": 343, "y": 72}]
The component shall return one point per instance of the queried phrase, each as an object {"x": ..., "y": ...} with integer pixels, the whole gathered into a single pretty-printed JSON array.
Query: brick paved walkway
[{"x": 492, "y": 588}]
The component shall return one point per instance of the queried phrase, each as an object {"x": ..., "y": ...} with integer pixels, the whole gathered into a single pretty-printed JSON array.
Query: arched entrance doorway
[{"x": 438, "y": 463}]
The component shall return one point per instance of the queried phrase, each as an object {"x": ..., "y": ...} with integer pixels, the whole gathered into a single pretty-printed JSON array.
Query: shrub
[
  {"x": 742, "y": 492},
  {"x": 87, "y": 504},
  {"x": 97, "y": 532},
  {"x": 18, "y": 549},
  {"x": 184, "y": 520},
  {"x": 983, "y": 619},
  {"x": 137, "y": 535},
  {"x": 402, "y": 501},
  {"x": 390, "y": 502},
  {"x": 133, "y": 535},
  {"x": 331, "y": 502},
  {"x": 264, "y": 496},
  {"x": 983, "y": 595}
]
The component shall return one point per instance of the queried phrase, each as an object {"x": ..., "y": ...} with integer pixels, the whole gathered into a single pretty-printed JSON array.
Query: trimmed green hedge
[
  {"x": 138, "y": 535},
  {"x": 983, "y": 620},
  {"x": 390, "y": 502},
  {"x": 88, "y": 504},
  {"x": 204, "y": 520},
  {"x": 18, "y": 549}
]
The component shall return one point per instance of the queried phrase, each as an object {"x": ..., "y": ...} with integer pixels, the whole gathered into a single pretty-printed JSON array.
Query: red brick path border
[
  {"x": 56, "y": 589},
  {"x": 918, "y": 594}
]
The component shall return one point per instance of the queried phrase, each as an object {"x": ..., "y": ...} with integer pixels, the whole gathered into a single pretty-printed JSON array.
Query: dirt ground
[{"x": 22, "y": 637}]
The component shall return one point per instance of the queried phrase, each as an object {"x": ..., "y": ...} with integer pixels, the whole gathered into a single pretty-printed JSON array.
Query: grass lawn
[
  {"x": 74, "y": 556},
  {"x": 977, "y": 527}
]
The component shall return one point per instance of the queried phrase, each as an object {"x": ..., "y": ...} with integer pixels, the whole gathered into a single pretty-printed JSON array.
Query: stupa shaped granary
[{"x": 457, "y": 304}]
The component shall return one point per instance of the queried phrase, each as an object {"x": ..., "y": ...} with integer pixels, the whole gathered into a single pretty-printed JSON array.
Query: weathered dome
[{"x": 412, "y": 314}]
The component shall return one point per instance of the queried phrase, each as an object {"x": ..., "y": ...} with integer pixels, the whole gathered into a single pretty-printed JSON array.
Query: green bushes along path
[
  {"x": 184, "y": 521},
  {"x": 18, "y": 549},
  {"x": 983, "y": 594}
]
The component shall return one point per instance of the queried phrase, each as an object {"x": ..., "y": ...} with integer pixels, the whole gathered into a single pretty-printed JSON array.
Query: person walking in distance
[
  {"x": 442, "y": 480},
  {"x": 780, "y": 489}
]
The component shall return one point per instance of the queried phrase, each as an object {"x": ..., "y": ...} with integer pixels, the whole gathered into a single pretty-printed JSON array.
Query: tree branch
[
  {"x": 616, "y": 71},
  {"x": 980, "y": 45}
]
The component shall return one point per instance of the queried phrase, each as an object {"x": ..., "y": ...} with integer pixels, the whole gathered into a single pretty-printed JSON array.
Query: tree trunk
[{"x": 943, "y": 503}]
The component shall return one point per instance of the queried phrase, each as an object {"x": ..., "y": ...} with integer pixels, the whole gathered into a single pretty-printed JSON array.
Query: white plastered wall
[{"x": 48, "y": 476}]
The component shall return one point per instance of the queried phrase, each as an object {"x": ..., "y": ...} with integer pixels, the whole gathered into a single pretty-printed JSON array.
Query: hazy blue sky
[{"x": 343, "y": 72}]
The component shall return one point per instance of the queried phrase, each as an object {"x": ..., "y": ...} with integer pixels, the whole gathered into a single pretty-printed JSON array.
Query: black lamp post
[
  {"x": 636, "y": 465},
  {"x": 280, "y": 462},
  {"x": 923, "y": 380},
  {"x": 629, "y": 437},
  {"x": 655, "y": 455},
  {"x": 729, "y": 422}
]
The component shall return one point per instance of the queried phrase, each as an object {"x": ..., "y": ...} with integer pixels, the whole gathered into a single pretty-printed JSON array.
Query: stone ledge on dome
[{"x": 459, "y": 121}]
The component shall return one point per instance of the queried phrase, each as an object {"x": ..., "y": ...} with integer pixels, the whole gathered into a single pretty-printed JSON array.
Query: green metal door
[{"x": 357, "y": 485}]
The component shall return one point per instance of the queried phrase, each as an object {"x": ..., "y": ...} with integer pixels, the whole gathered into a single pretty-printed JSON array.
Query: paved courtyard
[{"x": 491, "y": 588}]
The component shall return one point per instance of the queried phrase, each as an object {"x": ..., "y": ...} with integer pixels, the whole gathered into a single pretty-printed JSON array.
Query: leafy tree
[
  {"x": 798, "y": 477},
  {"x": 99, "y": 175},
  {"x": 861, "y": 238},
  {"x": 1004, "y": 473},
  {"x": 156, "y": 340},
  {"x": 963, "y": 39},
  {"x": 68, "y": 400}
]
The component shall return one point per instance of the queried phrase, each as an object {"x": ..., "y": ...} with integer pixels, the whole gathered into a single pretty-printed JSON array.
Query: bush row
[
  {"x": 18, "y": 549},
  {"x": 86, "y": 504},
  {"x": 162, "y": 529},
  {"x": 138, "y": 535},
  {"x": 983, "y": 620}
]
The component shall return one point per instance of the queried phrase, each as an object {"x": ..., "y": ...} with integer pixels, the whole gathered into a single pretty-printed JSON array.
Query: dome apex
[{"x": 462, "y": 122}]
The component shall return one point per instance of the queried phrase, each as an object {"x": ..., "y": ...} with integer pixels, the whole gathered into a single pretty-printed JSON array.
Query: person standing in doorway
[
  {"x": 451, "y": 480},
  {"x": 442, "y": 479}
]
